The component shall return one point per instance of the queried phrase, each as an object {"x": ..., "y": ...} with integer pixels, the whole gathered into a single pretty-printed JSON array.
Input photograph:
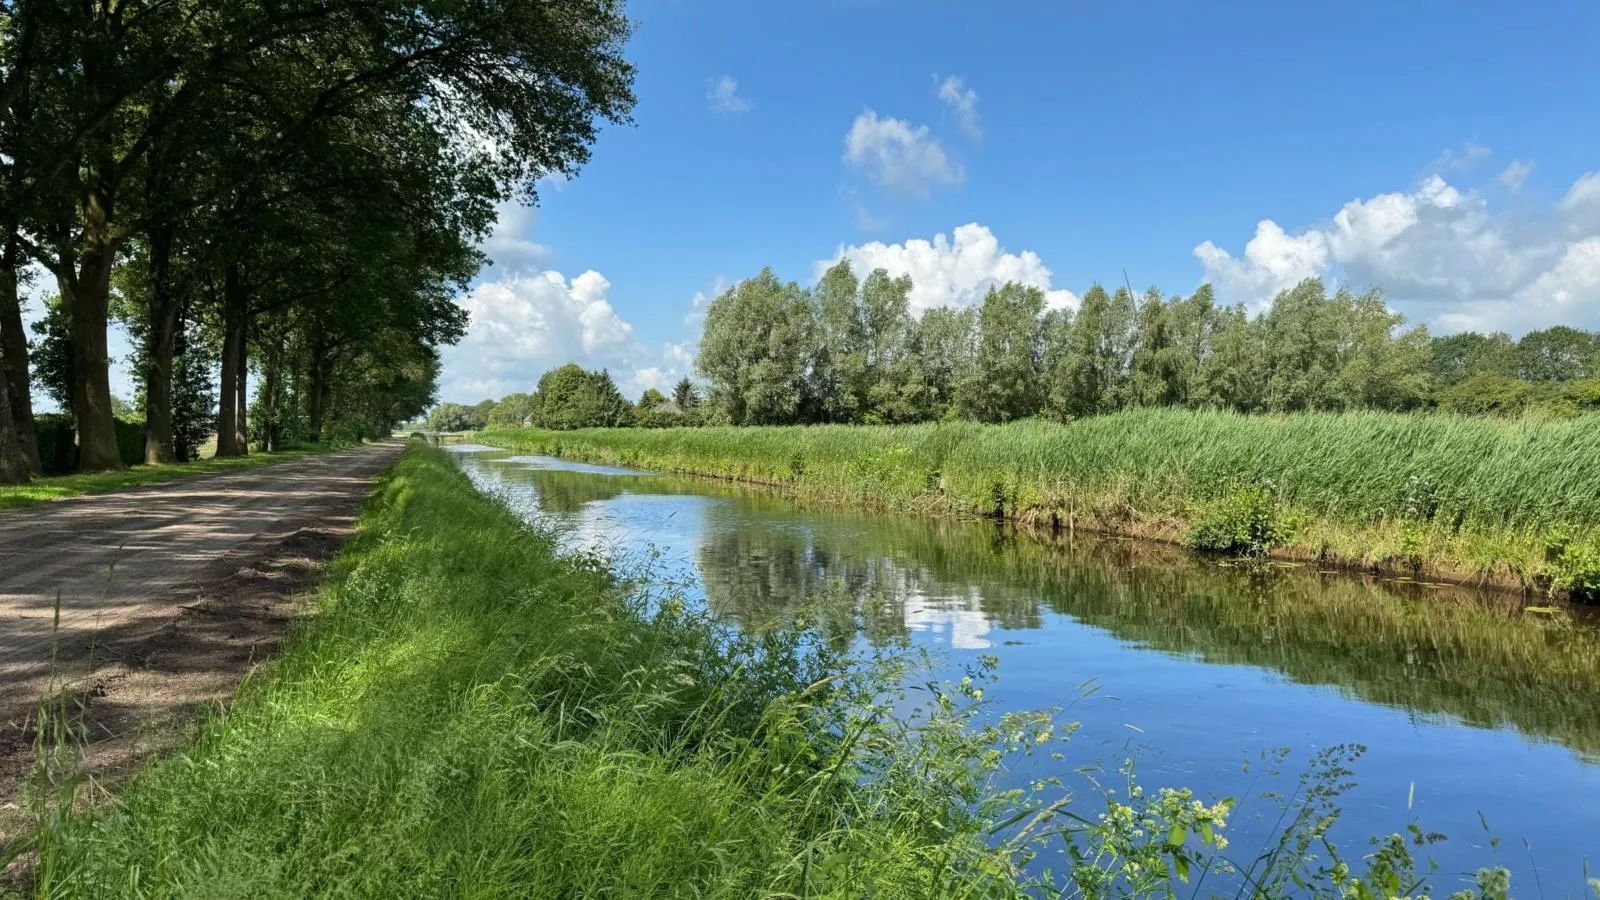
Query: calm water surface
[{"x": 1467, "y": 705}]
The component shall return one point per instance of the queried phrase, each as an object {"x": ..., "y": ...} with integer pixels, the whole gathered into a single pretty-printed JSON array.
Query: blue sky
[{"x": 1435, "y": 149}]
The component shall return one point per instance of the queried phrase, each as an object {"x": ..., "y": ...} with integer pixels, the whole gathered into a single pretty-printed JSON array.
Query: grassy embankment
[
  {"x": 470, "y": 715},
  {"x": 58, "y": 487},
  {"x": 1424, "y": 496}
]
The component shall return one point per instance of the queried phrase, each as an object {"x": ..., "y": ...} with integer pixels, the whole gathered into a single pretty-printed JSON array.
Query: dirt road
[{"x": 167, "y": 593}]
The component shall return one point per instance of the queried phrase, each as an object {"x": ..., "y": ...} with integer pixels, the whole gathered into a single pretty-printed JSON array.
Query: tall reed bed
[{"x": 1470, "y": 496}]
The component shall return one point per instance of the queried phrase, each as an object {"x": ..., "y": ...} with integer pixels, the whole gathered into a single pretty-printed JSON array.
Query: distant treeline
[
  {"x": 851, "y": 351},
  {"x": 848, "y": 351},
  {"x": 573, "y": 397}
]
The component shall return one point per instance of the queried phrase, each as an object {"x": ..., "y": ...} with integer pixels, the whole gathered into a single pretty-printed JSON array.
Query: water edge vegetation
[
  {"x": 1485, "y": 659},
  {"x": 1508, "y": 502}
]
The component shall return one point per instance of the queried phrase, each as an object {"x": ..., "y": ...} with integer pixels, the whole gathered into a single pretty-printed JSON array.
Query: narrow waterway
[{"x": 1471, "y": 709}]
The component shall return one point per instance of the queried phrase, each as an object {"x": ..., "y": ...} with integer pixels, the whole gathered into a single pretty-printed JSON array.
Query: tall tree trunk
[
  {"x": 13, "y": 468},
  {"x": 230, "y": 422},
  {"x": 14, "y": 360},
  {"x": 161, "y": 331},
  {"x": 183, "y": 448},
  {"x": 241, "y": 390},
  {"x": 89, "y": 306},
  {"x": 271, "y": 387},
  {"x": 319, "y": 392}
]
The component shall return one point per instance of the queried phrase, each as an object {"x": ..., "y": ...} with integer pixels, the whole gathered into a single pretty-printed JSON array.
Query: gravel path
[{"x": 167, "y": 592}]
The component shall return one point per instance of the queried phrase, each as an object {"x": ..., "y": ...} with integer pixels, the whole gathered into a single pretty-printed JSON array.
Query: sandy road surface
[{"x": 167, "y": 592}]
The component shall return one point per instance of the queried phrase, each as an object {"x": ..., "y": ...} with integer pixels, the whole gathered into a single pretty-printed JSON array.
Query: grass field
[
  {"x": 57, "y": 487},
  {"x": 1425, "y": 495}
]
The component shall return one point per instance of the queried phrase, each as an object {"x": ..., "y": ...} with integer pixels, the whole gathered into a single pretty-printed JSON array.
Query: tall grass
[
  {"x": 1471, "y": 496},
  {"x": 471, "y": 715}
]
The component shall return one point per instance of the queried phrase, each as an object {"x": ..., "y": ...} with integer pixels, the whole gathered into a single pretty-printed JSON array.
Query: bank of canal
[{"x": 1471, "y": 709}]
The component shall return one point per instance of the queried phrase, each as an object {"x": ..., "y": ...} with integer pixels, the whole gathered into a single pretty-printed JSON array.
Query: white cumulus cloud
[
  {"x": 1441, "y": 255},
  {"x": 723, "y": 96},
  {"x": 898, "y": 155},
  {"x": 963, "y": 101},
  {"x": 1272, "y": 261},
  {"x": 955, "y": 271},
  {"x": 529, "y": 322}
]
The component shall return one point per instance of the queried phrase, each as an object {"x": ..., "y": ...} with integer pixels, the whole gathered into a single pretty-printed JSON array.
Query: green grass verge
[
  {"x": 470, "y": 715},
  {"x": 58, "y": 487},
  {"x": 1439, "y": 495}
]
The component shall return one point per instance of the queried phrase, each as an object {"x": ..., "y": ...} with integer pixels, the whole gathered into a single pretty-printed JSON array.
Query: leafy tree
[
  {"x": 1302, "y": 332},
  {"x": 886, "y": 347},
  {"x": 754, "y": 351},
  {"x": 1380, "y": 369},
  {"x": 870, "y": 361},
  {"x": 515, "y": 411},
  {"x": 944, "y": 350},
  {"x": 570, "y": 397},
  {"x": 1114, "y": 344},
  {"x": 839, "y": 377},
  {"x": 1489, "y": 394},
  {"x": 650, "y": 399},
  {"x": 1194, "y": 322},
  {"x": 52, "y": 355},
  {"x": 1078, "y": 384},
  {"x": 1557, "y": 354},
  {"x": 859, "y": 372},
  {"x": 481, "y": 413},
  {"x": 449, "y": 417},
  {"x": 1235, "y": 374},
  {"x": 1160, "y": 368},
  {"x": 194, "y": 404},
  {"x": 1454, "y": 358},
  {"x": 1005, "y": 378}
]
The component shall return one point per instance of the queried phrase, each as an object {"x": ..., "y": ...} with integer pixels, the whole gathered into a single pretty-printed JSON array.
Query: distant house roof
[{"x": 667, "y": 408}]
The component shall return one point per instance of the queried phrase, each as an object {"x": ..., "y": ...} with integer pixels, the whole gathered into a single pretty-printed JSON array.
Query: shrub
[
  {"x": 58, "y": 447},
  {"x": 58, "y": 443},
  {"x": 130, "y": 442},
  {"x": 1248, "y": 522},
  {"x": 1573, "y": 565}
]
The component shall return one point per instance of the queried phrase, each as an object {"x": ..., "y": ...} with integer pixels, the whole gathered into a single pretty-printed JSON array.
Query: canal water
[{"x": 1480, "y": 718}]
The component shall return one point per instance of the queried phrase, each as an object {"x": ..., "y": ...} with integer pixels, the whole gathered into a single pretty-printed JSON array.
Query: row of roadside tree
[{"x": 293, "y": 190}]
